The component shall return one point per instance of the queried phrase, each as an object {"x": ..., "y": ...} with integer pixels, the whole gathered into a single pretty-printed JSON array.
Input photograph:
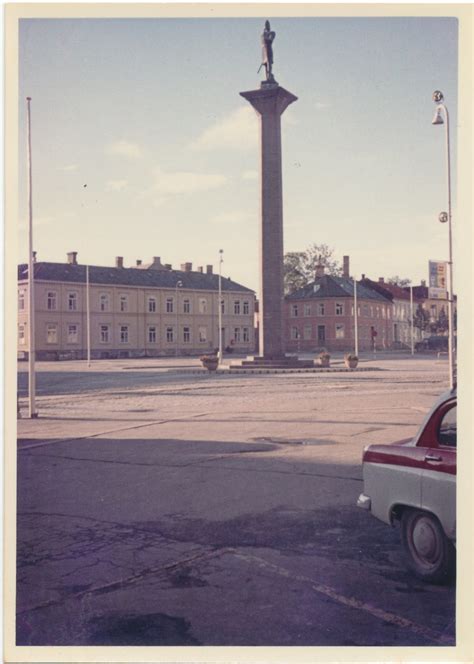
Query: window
[
  {"x": 366, "y": 309},
  {"x": 371, "y": 312},
  {"x": 152, "y": 334},
  {"x": 237, "y": 307},
  {"x": 104, "y": 334},
  {"x": 383, "y": 312},
  {"x": 388, "y": 313},
  {"x": 124, "y": 303},
  {"x": 21, "y": 300},
  {"x": 339, "y": 309},
  {"x": 295, "y": 333},
  {"x": 72, "y": 301},
  {"x": 447, "y": 429},
  {"x": 186, "y": 306},
  {"x": 51, "y": 301},
  {"x": 321, "y": 309},
  {"x": 124, "y": 334},
  {"x": 169, "y": 305},
  {"x": 21, "y": 334},
  {"x": 307, "y": 310},
  {"x": 339, "y": 331},
  {"x": 202, "y": 305},
  {"x": 307, "y": 332},
  {"x": 51, "y": 333},
  {"x": 321, "y": 333},
  {"x": 169, "y": 334},
  {"x": 246, "y": 334},
  {"x": 72, "y": 334},
  {"x": 104, "y": 302},
  {"x": 246, "y": 307},
  {"x": 186, "y": 335},
  {"x": 237, "y": 334},
  {"x": 294, "y": 310},
  {"x": 202, "y": 335},
  {"x": 377, "y": 312},
  {"x": 152, "y": 305}
]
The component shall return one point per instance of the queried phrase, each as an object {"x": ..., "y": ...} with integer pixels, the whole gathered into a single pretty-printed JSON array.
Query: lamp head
[
  {"x": 438, "y": 118},
  {"x": 443, "y": 217},
  {"x": 438, "y": 97}
]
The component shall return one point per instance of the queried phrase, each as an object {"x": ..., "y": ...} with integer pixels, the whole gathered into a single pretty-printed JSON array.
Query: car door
[{"x": 438, "y": 480}]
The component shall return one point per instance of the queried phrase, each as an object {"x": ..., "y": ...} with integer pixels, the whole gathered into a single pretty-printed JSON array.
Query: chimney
[
  {"x": 381, "y": 280},
  {"x": 168, "y": 266},
  {"x": 319, "y": 270},
  {"x": 119, "y": 261},
  {"x": 200, "y": 269},
  {"x": 208, "y": 269},
  {"x": 363, "y": 276},
  {"x": 72, "y": 258},
  {"x": 423, "y": 282},
  {"x": 138, "y": 262},
  {"x": 186, "y": 267},
  {"x": 345, "y": 267},
  {"x": 34, "y": 257}
]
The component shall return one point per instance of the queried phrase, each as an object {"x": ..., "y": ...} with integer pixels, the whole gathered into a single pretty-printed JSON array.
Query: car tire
[{"x": 429, "y": 554}]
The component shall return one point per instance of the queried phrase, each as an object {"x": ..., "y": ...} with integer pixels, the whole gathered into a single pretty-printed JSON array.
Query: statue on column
[{"x": 267, "y": 51}]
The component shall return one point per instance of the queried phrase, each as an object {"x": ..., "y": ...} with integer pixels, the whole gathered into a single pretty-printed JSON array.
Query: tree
[
  {"x": 299, "y": 267},
  {"x": 398, "y": 281},
  {"x": 421, "y": 319}
]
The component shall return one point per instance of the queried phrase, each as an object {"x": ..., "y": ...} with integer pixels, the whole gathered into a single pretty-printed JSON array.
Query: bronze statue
[{"x": 267, "y": 51}]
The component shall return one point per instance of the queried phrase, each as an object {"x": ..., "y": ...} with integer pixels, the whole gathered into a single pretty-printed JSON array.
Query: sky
[{"x": 142, "y": 145}]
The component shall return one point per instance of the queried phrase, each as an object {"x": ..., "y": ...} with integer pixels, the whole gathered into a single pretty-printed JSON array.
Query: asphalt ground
[{"x": 159, "y": 507}]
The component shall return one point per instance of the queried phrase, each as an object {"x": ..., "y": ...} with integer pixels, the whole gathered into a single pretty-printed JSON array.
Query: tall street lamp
[
  {"x": 221, "y": 251},
  {"x": 444, "y": 217},
  {"x": 32, "y": 413},
  {"x": 179, "y": 284},
  {"x": 356, "y": 330}
]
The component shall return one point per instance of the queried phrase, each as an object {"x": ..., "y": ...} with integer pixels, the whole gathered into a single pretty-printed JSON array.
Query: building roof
[
  {"x": 390, "y": 291},
  {"x": 328, "y": 286},
  {"x": 128, "y": 276}
]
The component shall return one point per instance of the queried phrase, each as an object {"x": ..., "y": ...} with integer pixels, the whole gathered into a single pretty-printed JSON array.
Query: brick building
[
  {"x": 147, "y": 310},
  {"x": 401, "y": 310},
  {"x": 321, "y": 315}
]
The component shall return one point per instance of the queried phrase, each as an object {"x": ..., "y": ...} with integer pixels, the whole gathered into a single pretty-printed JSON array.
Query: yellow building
[{"x": 145, "y": 311}]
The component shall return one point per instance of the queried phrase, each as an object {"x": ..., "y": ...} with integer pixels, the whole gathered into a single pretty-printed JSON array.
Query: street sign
[{"x": 437, "y": 280}]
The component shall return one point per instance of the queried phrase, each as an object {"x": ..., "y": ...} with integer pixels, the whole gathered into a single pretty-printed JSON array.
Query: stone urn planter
[
  {"x": 210, "y": 362},
  {"x": 324, "y": 360},
  {"x": 351, "y": 361}
]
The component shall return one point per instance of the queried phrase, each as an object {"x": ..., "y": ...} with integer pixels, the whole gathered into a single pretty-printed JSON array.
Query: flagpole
[
  {"x": 411, "y": 318},
  {"x": 31, "y": 291}
]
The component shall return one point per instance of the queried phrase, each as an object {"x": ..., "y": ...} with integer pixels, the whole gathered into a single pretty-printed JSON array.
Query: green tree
[
  {"x": 299, "y": 267},
  {"x": 421, "y": 319}
]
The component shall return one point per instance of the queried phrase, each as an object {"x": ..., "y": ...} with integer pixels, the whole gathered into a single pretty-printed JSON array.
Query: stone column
[{"x": 270, "y": 102}]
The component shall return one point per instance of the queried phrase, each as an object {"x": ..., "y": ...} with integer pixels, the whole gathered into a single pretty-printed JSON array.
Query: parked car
[
  {"x": 435, "y": 343},
  {"x": 413, "y": 482}
]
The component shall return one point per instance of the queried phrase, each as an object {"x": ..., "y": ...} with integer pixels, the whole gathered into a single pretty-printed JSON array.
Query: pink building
[{"x": 321, "y": 316}]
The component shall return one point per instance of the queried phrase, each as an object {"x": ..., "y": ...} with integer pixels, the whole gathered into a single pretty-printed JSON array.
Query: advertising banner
[{"x": 437, "y": 280}]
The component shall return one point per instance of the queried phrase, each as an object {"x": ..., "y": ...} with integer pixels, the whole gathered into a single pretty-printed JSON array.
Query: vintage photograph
[{"x": 236, "y": 328}]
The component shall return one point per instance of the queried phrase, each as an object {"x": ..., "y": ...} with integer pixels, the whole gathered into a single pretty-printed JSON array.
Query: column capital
[{"x": 269, "y": 99}]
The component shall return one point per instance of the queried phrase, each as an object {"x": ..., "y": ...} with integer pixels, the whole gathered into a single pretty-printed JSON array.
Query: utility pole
[{"x": 31, "y": 279}]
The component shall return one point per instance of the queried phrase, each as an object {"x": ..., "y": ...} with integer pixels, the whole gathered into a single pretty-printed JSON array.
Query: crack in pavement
[
  {"x": 133, "y": 578},
  {"x": 104, "y": 433}
]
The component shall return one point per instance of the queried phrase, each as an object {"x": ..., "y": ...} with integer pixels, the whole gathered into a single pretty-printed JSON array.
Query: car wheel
[{"x": 429, "y": 553}]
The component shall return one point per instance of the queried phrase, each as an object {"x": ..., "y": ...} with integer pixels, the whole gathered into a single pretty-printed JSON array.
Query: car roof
[{"x": 443, "y": 398}]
